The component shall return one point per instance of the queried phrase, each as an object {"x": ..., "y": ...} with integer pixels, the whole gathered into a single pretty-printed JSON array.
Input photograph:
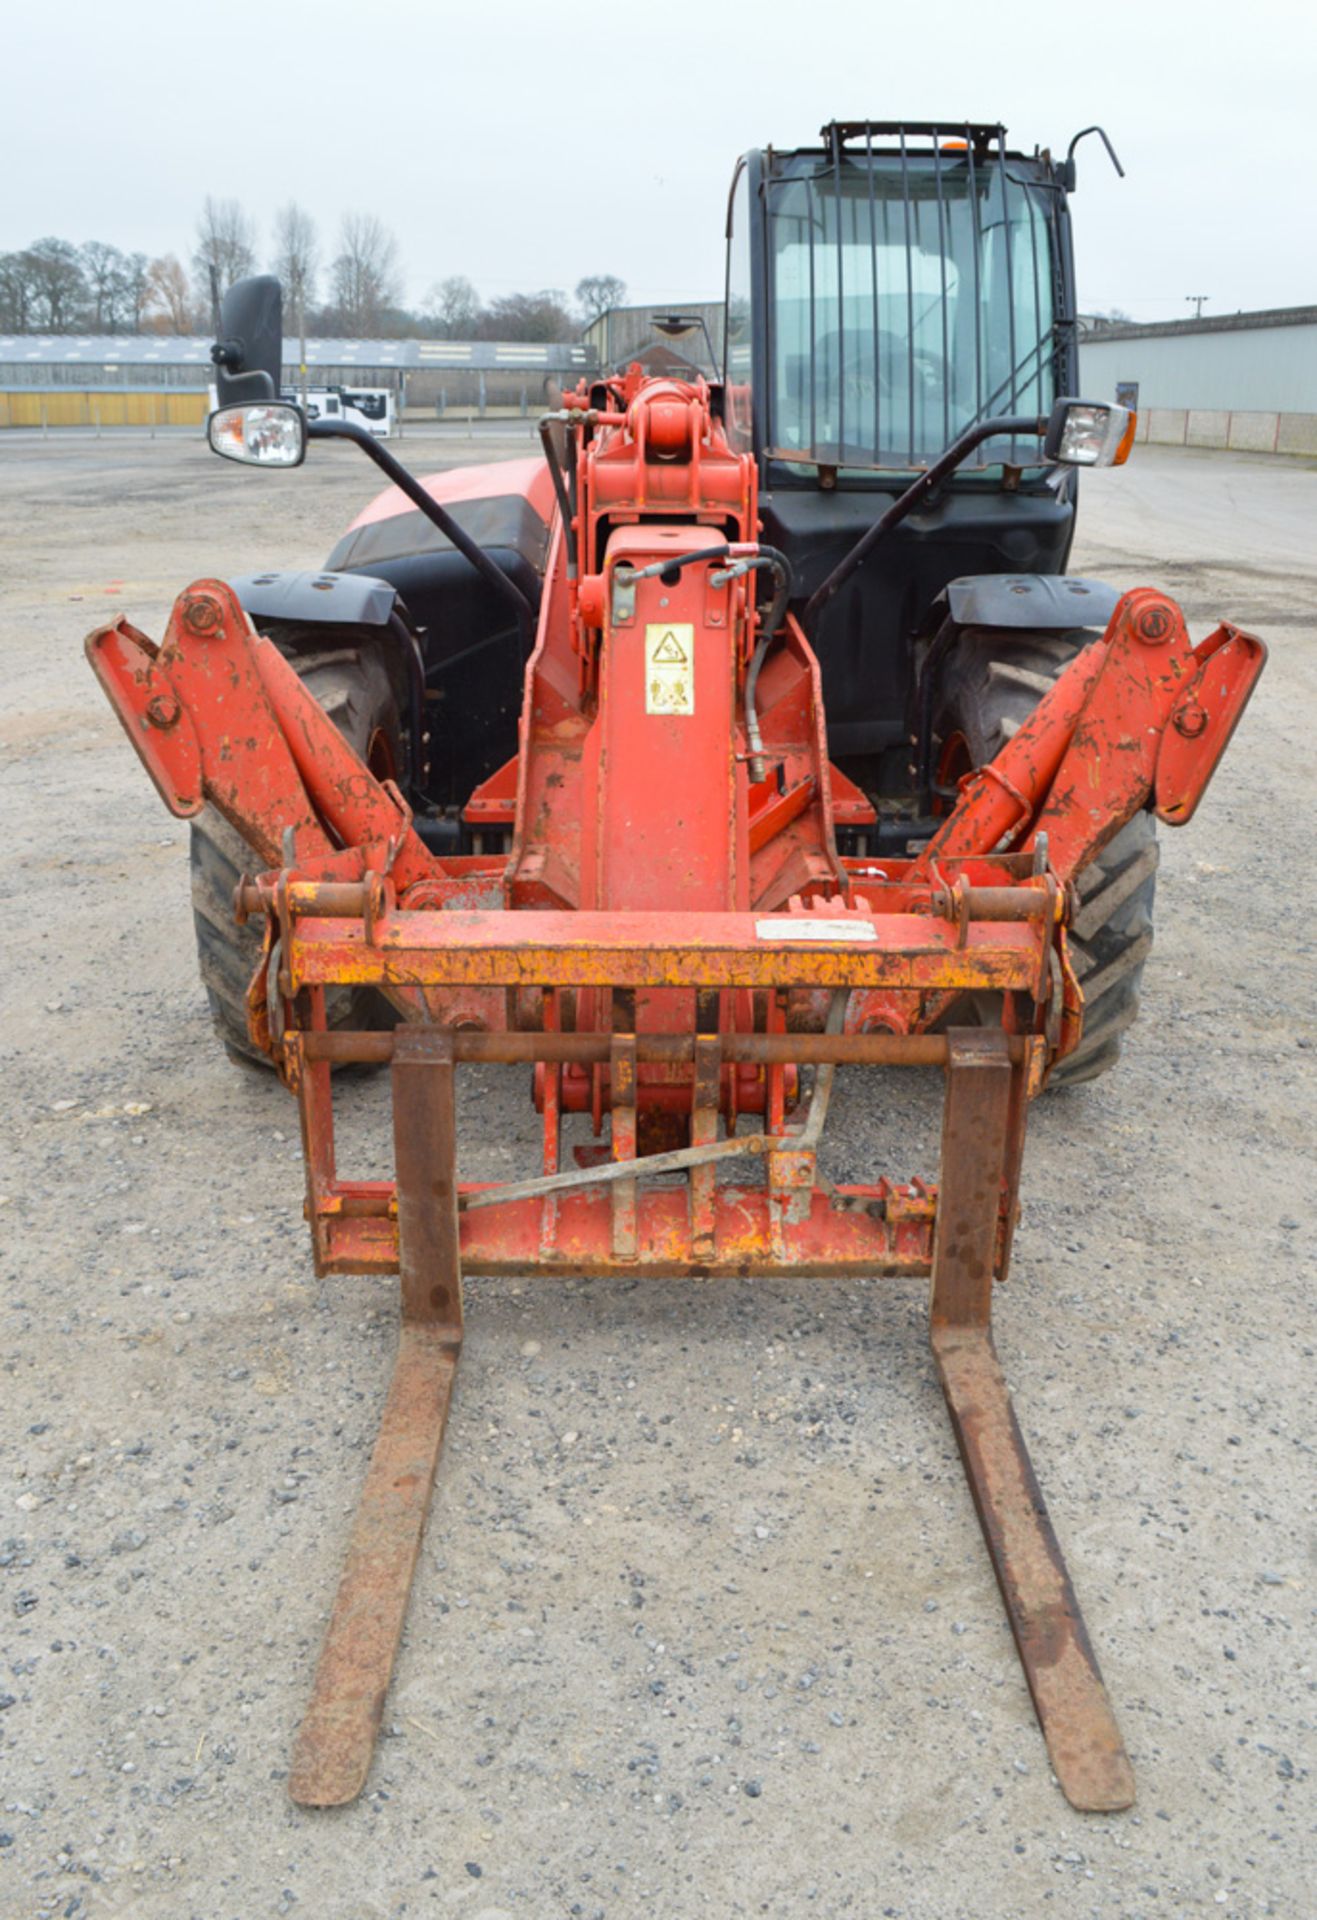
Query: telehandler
[{"x": 751, "y": 730}]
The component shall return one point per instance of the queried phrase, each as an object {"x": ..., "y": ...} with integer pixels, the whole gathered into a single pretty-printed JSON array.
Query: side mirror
[
  {"x": 1088, "y": 433},
  {"x": 269, "y": 435},
  {"x": 249, "y": 354}
]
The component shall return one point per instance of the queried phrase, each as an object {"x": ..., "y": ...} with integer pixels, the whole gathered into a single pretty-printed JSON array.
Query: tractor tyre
[
  {"x": 991, "y": 682},
  {"x": 345, "y": 670}
]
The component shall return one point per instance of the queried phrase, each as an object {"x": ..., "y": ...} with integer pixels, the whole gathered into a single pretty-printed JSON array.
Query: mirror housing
[
  {"x": 248, "y": 356},
  {"x": 269, "y": 434},
  {"x": 1089, "y": 433}
]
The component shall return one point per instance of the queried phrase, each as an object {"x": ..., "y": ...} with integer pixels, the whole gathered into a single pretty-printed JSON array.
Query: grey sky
[{"x": 526, "y": 145}]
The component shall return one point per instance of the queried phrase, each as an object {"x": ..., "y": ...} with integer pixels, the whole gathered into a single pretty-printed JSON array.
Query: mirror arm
[
  {"x": 1068, "y": 173},
  {"x": 489, "y": 570},
  {"x": 1023, "y": 425},
  {"x": 256, "y": 384}
]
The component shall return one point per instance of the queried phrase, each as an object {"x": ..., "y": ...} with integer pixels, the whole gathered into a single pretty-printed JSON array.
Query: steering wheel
[{"x": 876, "y": 365}]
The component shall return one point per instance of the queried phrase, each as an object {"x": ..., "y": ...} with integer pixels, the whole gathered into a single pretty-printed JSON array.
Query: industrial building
[
  {"x": 624, "y": 333},
  {"x": 1241, "y": 380},
  {"x": 161, "y": 379}
]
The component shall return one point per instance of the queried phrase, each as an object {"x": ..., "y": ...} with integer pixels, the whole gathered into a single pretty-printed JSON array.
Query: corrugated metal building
[
  {"x": 149, "y": 379},
  {"x": 1244, "y": 380}
]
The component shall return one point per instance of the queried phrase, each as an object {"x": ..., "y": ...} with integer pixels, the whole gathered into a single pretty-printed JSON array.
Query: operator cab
[{"x": 886, "y": 290}]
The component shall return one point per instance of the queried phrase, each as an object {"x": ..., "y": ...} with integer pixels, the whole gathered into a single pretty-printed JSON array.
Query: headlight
[
  {"x": 1088, "y": 433},
  {"x": 269, "y": 435}
]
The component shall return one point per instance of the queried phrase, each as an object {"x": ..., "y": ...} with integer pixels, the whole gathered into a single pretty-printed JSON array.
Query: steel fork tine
[
  {"x": 337, "y": 1737},
  {"x": 980, "y": 1168}
]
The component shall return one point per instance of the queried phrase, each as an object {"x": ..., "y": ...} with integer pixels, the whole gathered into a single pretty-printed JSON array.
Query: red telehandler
[{"x": 671, "y": 902}]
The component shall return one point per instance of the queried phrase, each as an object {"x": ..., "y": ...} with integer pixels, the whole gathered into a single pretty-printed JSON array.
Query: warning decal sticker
[{"x": 669, "y": 667}]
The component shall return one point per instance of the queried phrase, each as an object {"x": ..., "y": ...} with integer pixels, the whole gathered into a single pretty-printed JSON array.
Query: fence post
[
  {"x": 45, "y": 422},
  {"x": 96, "y": 416}
]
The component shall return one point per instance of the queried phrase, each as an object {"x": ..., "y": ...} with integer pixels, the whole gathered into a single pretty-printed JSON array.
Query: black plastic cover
[
  {"x": 1056, "y": 601},
  {"x": 341, "y": 599}
]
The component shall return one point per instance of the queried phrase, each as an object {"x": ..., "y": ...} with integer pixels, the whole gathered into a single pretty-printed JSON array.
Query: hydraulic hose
[
  {"x": 565, "y": 508},
  {"x": 668, "y": 571},
  {"x": 770, "y": 621},
  {"x": 764, "y": 558},
  {"x": 414, "y": 667}
]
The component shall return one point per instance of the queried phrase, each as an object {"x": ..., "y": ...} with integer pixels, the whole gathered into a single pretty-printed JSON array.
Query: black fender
[
  {"x": 1050, "y": 602},
  {"x": 334, "y": 599},
  {"x": 1057, "y": 601},
  {"x": 350, "y": 600}
]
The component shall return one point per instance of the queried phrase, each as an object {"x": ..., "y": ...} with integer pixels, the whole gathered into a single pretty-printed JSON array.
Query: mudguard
[
  {"x": 337, "y": 599},
  {"x": 1030, "y": 600}
]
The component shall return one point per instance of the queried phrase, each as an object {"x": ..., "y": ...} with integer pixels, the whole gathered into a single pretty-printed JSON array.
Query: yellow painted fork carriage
[{"x": 672, "y": 943}]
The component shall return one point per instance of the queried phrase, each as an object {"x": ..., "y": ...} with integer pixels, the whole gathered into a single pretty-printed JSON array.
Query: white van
[{"x": 375, "y": 408}]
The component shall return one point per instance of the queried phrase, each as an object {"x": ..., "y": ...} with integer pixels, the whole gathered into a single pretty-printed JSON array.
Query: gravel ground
[{"x": 703, "y": 1623}]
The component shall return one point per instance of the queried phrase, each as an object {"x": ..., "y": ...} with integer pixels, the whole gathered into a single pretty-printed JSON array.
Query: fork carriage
[{"x": 629, "y": 1216}]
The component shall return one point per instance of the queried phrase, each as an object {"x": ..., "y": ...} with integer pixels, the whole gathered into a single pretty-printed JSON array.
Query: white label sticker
[
  {"x": 669, "y": 667},
  {"x": 803, "y": 927}
]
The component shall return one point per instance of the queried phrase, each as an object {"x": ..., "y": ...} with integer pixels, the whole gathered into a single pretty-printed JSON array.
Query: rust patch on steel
[
  {"x": 1080, "y": 1729},
  {"x": 337, "y": 1738}
]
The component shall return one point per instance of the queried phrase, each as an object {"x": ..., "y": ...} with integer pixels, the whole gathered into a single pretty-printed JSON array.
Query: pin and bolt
[{"x": 201, "y": 614}]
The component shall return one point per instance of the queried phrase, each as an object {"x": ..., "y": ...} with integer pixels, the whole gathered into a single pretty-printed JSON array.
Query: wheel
[
  {"x": 346, "y": 672},
  {"x": 992, "y": 680}
]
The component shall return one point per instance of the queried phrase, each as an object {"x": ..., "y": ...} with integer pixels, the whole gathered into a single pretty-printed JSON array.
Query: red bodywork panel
[{"x": 529, "y": 478}]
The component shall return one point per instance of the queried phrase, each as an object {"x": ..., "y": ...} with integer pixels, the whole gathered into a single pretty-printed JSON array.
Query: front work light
[
  {"x": 1089, "y": 433},
  {"x": 271, "y": 434}
]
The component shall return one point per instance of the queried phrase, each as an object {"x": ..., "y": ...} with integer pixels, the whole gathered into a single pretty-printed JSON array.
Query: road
[{"x": 703, "y": 1624}]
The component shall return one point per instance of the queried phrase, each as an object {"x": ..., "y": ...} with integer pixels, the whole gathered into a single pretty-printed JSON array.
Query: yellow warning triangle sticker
[{"x": 668, "y": 652}]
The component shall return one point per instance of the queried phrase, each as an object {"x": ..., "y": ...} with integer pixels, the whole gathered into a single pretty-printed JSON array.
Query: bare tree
[
  {"x": 56, "y": 286},
  {"x": 296, "y": 254},
  {"x": 134, "y": 289},
  {"x": 103, "y": 270},
  {"x": 15, "y": 293},
  {"x": 528, "y": 316},
  {"x": 364, "y": 278},
  {"x": 168, "y": 303},
  {"x": 455, "y": 307},
  {"x": 226, "y": 242},
  {"x": 597, "y": 293},
  {"x": 296, "y": 251}
]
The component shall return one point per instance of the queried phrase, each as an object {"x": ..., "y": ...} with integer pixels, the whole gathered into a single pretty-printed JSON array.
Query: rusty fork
[
  {"x": 982, "y": 1141},
  {"x": 981, "y": 1136},
  {"x": 337, "y": 1738}
]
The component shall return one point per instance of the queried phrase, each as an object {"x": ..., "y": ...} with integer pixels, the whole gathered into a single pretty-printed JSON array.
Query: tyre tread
[
  {"x": 990, "y": 685},
  {"x": 351, "y": 683}
]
